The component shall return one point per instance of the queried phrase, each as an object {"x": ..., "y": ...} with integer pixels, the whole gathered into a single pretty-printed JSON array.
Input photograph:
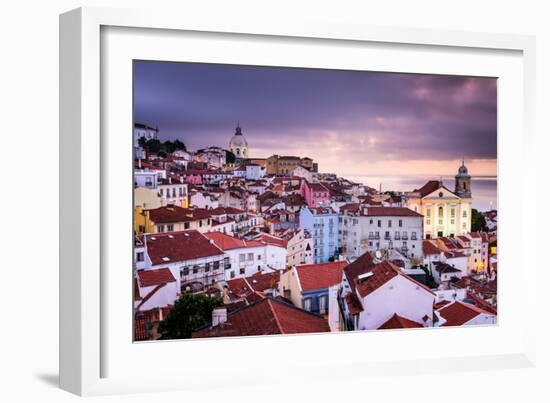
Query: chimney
[{"x": 219, "y": 316}]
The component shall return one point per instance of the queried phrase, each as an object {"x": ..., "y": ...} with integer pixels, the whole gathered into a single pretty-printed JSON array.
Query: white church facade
[{"x": 446, "y": 213}]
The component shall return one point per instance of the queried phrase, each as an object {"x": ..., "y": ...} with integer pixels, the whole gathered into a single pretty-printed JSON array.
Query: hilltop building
[
  {"x": 446, "y": 213},
  {"x": 238, "y": 144}
]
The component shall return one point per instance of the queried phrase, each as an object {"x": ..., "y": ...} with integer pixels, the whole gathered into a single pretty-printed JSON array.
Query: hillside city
[{"x": 227, "y": 244}]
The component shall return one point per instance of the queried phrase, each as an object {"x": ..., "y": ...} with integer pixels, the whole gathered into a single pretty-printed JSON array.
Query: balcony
[
  {"x": 404, "y": 249},
  {"x": 387, "y": 237},
  {"x": 397, "y": 237},
  {"x": 405, "y": 237},
  {"x": 413, "y": 238}
]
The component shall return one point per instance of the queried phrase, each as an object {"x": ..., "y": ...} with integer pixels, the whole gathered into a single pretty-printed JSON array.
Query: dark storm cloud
[{"x": 371, "y": 115}]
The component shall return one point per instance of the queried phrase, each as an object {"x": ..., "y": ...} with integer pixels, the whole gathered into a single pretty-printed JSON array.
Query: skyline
[{"x": 353, "y": 123}]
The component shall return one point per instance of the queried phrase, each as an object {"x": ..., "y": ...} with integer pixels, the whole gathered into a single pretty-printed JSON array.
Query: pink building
[
  {"x": 315, "y": 194},
  {"x": 194, "y": 179}
]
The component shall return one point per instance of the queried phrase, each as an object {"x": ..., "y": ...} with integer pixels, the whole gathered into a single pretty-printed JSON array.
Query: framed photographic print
[{"x": 233, "y": 189}]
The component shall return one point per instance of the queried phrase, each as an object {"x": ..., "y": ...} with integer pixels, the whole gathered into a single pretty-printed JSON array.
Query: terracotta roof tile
[
  {"x": 179, "y": 246},
  {"x": 266, "y": 316},
  {"x": 319, "y": 276},
  {"x": 399, "y": 322},
  {"x": 228, "y": 242},
  {"x": 458, "y": 313},
  {"x": 149, "y": 278}
]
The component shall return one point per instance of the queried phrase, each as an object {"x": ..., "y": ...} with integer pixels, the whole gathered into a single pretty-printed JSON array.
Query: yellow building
[
  {"x": 285, "y": 164},
  {"x": 446, "y": 213}
]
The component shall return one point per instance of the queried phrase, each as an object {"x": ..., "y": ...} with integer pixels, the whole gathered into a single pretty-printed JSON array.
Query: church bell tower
[{"x": 462, "y": 182}]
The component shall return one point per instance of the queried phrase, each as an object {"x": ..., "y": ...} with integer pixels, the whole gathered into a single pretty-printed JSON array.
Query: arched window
[{"x": 440, "y": 211}]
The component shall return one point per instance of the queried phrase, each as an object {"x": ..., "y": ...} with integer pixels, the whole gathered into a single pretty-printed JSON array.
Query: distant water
[{"x": 484, "y": 188}]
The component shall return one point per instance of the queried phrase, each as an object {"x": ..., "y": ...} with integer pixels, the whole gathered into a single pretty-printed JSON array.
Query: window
[
  {"x": 139, "y": 257},
  {"x": 195, "y": 269},
  {"x": 170, "y": 227},
  {"x": 232, "y": 274},
  {"x": 400, "y": 223},
  {"x": 389, "y": 223},
  {"x": 241, "y": 270},
  {"x": 185, "y": 271},
  {"x": 216, "y": 265},
  {"x": 250, "y": 256},
  {"x": 161, "y": 192},
  {"x": 307, "y": 304},
  {"x": 242, "y": 257},
  {"x": 187, "y": 226},
  {"x": 207, "y": 267},
  {"x": 370, "y": 221},
  {"x": 379, "y": 223},
  {"x": 173, "y": 192},
  {"x": 428, "y": 212},
  {"x": 464, "y": 214},
  {"x": 322, "y": 304},
  {"x": 160, "y": 228}
]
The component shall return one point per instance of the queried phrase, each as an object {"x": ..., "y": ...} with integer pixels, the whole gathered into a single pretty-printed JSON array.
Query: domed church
[{"x": 238, "y": 144}]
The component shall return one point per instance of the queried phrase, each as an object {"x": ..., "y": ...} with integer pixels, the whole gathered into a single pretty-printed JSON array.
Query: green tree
[
  {"x": 478, "y": 221},
  {"x": 153, "y": 146},
  {"x": 230, "y": 158},
  {"x": 142, "y": 142},
  {"x": 430, "y": 281},
  {"x": 179, "y": 145},
  {"x": 168, "y": 147},
  {"x": 190, "y": 312}
]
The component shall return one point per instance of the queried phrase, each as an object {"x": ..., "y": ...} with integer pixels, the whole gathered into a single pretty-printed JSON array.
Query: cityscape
[{"x": 373, "y": 207}]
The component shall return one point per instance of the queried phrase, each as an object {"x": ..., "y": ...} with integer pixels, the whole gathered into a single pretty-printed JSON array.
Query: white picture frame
[{"x": 86, "y": 195}]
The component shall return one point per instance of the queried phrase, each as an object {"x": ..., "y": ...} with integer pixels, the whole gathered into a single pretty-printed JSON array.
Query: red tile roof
[
  {"x": 381, "y": 273},
  {"x": 264, "y": 281},
  {"x": 399, "y": 322},
  {"x": 179, "y": 246},
  {"x": 458, "y": 313},
  {"x": 316, "y": 187},
  {"x": 389, "y": 212},
  {"x": 353, "y": 303},
  {"x": 228, "y": 242},
  {"x": 226, "y": 210},
  {"x": 272, "y": 240},
  {"x": 149, "y": 278},
  {"x": 318, "y": 276},
  {"x": 266, "y": 316},
  {"x": 363, "y": 264},
  {"x": 430, "y": 187},
  {"x": 429, "y": 248},
  {"x": 169, "y": 214}
]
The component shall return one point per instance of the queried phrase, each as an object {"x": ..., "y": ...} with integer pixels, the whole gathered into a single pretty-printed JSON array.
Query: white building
[
  {"x": 203, "y": 199},
  {"x": 155, "y": 289},
  {"x": 248, "y": 257},
  {"x": 147, "y": 132},
  {"x": 195, "y": 262},
  {"x": 214, "y": 157},
  {"x": 379, "y": 295},
  {"x": 363, "y": 229},
  {"x": 145, "y": 179},
  {"x": 172, "y": 192},
  {"x": 459, "y": 313},
  {"x": 254, "y": 171},
  {"x": 299, "y": 248}
]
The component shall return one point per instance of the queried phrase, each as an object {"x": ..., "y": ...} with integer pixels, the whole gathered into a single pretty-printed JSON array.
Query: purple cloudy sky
[{"x": 350, "y": 122}]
